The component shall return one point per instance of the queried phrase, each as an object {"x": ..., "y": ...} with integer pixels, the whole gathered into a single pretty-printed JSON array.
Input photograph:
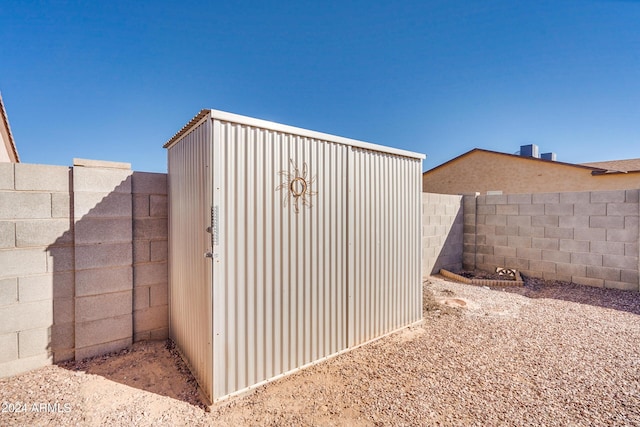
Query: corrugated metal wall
[
  {"x": 384, "y": 243},
  {"x": 280, "y": 279},
  {"x": 189, "y": 270},
  {"x": 293, "y": 280}
]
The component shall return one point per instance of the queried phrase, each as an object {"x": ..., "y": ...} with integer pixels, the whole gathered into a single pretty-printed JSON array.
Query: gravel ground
[{"x": 545, "y": 354}]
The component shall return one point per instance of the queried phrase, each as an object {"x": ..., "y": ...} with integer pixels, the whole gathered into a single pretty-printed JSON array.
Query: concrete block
[
  {"x": 619, "y": 261},
  {"x": 141, "y": 298},
  {"x": 496, "y": 199},
  {"x": 495, "y": 240},
  {"x": 518, "y": 242},
  {"x": 34, "y": 342},
  {"x": 542, "y": 266},
  {"x": 630, "y": 276},
  {"x": 64, "y": 311},
  {"x": 103, "y": 280},
  {"x": 605, "y": 273},
  {"x": 24, "y": 316},
  {"x": 504, "y": 251},
  {"x": 588, "y": 281},
  {"x": 627, "y": 236},
  {"x": 545, "y": 221},
  {"x": 149, "y": 183},
  {"x": 159, "y": 207},
  {"x": 531, "y": 231},
  {"x": 103, "y": 306},
  {"x": 42, "y": 177},
  {"x": 35, "y": 288},
  {"x": 615, "y": 196},
  {"x": 62, "y": 337},
  {"x": 43, "y": 232},
  {"x": 6, "y": 176},
  {"x": 22, "y": 262},
  {"x": 105, "y": 255},
  {"x": 573, "y": 198},
  {"x": 101, "y": 164},
  {"x": 508, "y": 230},
  {"x": 484, "y": 249},
  {"x": 98, "y": 205},
  {"x": 590, "y": 234},
  {"x": 103, "y": 230},
  {"x": 102, "y": 348},
  {"x": 624, "y": 286},
  {"x": 545, "y": 198},
  {"x": 632, "y": 196},
  {"x": 481, "y": 219},
  {"x": 529, "y": 253},
  {"x": 606, "y": 222},
  {"x": 19, "y": 366},
  {"x": 559, "y": 233},
  {"x": 63, "y": 355},
  {"x": 531, "y": 210},
  {"x": 141, "y": 208},
  {"x": 63, "y": 285},
  {"x": 631, "y": 223},
  {"x": 151, "y": 318},
  {"x": 556, "y": 276},
  {"x": 571, "y": 269},
  {"x": 519, "y": 221},
  {"x": 103, "y": 331},
  {"x": 95, "y": 180},
  {"x": 60, "y": 205},
  {"x": 486, "y": 210},
  {"x": 7, "y": 234},
  {"x": 142, "y": 249},
  {"x": 558, "y": 209},
  {"x": 160, "y": 334},
  {"x": 151, "y": 228},
  {"x": 507, "y": 209},
  {"x": 622, "y": 209},
  {"x": 8, "y": 348},
  {"x": 8, "y": 291},
  {"x": 496, "y": 220},
  {"x": 159, "y": 293},
  {"x": 556, "y": 256},
  {"x": 545, "y": 243},
  {"x": 14, "y": 205},
  {"x": 519, "y": 199},
  {"x": 150, "y": 274},
  {"x": 520, "y": 264},
  {"x": 612, "y": 248},
  {"x": 586, "y": 259},
  {"x": 568, "y": 245},
  {"x": 493, "y": 261},
  {"x": 631, "y": 249},
  {"x": 59, "y": 259},
  {"x": 590, "y": 208},
  {"x": 575, "y": 221}
]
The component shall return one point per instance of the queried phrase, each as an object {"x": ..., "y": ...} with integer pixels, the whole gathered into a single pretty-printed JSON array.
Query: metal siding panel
[
  {"x": 271, "y": 265},
  {"x": 190, "y": 272}
]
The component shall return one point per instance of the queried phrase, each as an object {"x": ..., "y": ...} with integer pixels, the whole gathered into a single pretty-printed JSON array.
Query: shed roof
[
  {"x": 5, "y": 129},
  {"x": 277, "y": 127}
]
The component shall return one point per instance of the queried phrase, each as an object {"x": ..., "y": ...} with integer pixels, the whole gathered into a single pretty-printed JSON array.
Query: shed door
[{"x": 280, "y": 263}]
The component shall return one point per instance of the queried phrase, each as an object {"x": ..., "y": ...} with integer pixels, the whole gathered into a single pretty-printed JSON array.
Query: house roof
[
  {"x": 4, "y": 126},
  {"x": 594, "y": 169},
  {"x": 613, "y": 166}
]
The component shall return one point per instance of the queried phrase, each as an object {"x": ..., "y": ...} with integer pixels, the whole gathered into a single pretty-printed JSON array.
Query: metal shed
[{"x": 286, "y": 246}]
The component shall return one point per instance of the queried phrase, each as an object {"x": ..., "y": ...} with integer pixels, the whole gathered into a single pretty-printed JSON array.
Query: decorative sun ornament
[{"x": 297, "y": 185}]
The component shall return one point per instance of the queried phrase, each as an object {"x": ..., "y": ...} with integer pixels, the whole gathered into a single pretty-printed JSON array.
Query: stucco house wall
[{"x": 484, "y": 171}]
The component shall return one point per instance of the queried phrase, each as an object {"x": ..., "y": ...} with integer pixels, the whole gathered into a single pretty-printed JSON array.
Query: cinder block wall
[
  {"x": 75, "y": 277},
  {"x": 590, "y": 238},
  {"x": 442, "y": 232}
]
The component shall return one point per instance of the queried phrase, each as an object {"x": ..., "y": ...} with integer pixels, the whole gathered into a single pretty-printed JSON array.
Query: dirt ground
[{"x": 545, "y": 354}]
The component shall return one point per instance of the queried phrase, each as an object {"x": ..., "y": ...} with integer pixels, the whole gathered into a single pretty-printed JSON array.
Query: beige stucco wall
[{"x": 481, "y": 171}]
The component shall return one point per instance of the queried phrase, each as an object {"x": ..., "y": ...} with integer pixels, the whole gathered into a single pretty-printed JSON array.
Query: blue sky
[{"x": 113, "y": 80}]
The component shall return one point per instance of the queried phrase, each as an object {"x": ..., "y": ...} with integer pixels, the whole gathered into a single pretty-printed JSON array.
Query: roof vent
[
  {"x": 548, "y": 156},
  {"x": 530, "y": 150}
]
